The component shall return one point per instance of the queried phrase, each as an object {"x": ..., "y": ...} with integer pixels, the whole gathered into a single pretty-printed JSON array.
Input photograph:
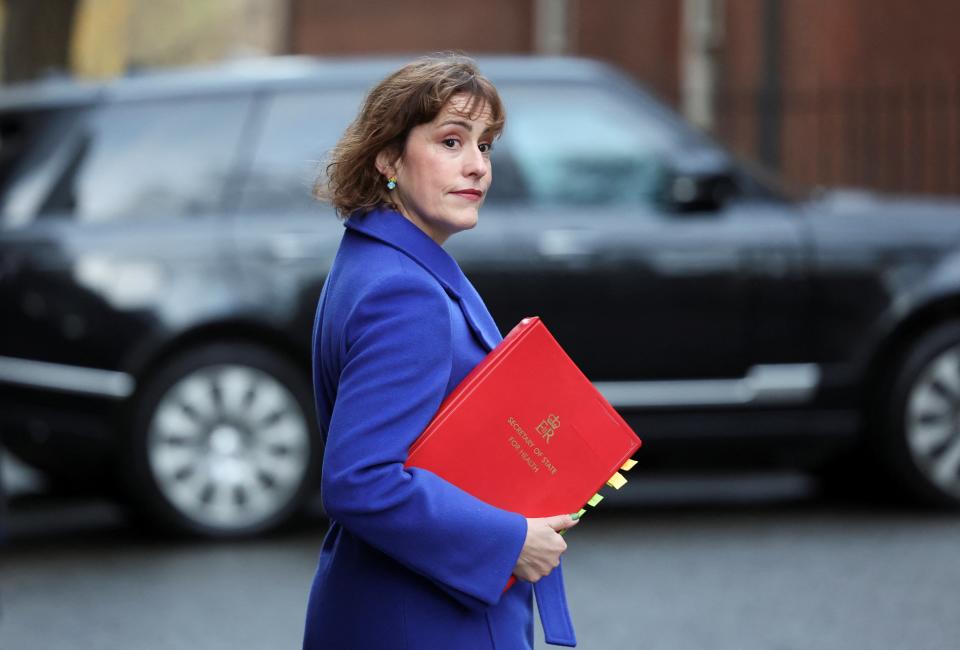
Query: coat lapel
[
  {"x": 395, "y": 230},
  {"x": 479, "y": 318}
]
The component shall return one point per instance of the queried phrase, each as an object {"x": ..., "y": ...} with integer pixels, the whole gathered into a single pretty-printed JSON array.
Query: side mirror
[{"x": 698, "y": 182}]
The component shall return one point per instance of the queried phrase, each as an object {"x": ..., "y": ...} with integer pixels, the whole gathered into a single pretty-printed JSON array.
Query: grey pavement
[{"x": 701, "y": 563}]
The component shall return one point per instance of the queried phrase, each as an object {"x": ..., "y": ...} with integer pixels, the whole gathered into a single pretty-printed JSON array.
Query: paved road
[{"x": 735, "y": 564}]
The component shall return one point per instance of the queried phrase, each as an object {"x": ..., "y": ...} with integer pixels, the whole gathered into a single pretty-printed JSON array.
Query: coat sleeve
[{"x": 397, "y": 359}]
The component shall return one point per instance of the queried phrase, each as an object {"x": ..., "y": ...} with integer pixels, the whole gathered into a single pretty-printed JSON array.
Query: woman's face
[{"x": 444, "y": 172}]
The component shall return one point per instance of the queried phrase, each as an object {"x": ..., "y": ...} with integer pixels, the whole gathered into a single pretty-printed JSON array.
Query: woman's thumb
[{"x": 561, "y": 522}]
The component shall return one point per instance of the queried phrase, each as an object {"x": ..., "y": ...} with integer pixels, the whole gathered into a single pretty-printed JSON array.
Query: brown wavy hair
[{"x": 413, "y": 95}]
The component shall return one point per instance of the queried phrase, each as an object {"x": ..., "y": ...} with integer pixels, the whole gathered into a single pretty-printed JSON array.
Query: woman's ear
[{"x": 387, "y": 163}]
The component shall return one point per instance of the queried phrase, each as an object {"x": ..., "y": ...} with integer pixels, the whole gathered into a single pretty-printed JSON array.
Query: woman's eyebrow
[
  {"x": 460, "y": 123},
  {"x": 466, "y": 126}
]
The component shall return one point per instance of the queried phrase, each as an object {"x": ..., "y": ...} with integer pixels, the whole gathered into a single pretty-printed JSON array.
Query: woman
[{"x": 411, "y": 561}]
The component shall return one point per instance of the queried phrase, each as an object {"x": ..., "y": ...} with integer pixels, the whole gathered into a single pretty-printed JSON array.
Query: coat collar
[{"x": 395, "y": 230}]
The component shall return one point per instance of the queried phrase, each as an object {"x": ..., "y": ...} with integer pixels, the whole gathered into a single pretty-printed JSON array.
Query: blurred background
[
  {"x": 773, "y": 225},
  {"x": 828, "y": 93}
]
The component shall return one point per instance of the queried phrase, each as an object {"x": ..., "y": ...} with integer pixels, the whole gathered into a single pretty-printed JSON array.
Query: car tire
[
  {"x": 224, "y": 442},
  {"x": 920, "y": 418}
]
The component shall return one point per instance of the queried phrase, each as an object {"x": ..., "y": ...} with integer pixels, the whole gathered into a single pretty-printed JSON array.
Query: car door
[
  {"x": 117, "y": 233},
  {"x": 282, "y": 239},
  {"x": 661, "y": 308}
]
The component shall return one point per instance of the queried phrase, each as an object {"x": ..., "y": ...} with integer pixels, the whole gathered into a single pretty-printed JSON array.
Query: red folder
[{"x": 525, "y": 430}]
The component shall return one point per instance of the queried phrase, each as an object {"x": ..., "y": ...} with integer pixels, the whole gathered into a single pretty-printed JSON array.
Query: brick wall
[
  {"x": 410, "y": 26},
  {"x": 640, "y": 37},
  {"x": 869, "y": 91}
]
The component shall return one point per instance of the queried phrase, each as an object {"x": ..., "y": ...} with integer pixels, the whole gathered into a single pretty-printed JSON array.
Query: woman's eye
[
  {"x": 485, "y": 147},
  {"x": 450, "y": 143}
]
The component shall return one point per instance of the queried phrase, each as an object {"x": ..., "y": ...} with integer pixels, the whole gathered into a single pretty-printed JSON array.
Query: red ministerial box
[{"x": 525, "y": 430}]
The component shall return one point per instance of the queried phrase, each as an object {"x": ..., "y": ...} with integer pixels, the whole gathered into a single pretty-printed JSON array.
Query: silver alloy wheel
[
  {"x": 933, "y": 421},
  {"x": 228, "y": 446}
]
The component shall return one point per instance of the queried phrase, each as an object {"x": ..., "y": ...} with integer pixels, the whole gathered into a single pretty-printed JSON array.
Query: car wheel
[
  {"x": 922, "y": 424},
  {"x": 224, "y": 442}
]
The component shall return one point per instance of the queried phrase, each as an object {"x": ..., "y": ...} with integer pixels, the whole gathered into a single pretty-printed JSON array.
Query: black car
[{"x": 161, "y": 259}]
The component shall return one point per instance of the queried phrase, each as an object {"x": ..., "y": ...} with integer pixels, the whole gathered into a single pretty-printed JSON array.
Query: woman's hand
[{"x": 543, "y": 547}]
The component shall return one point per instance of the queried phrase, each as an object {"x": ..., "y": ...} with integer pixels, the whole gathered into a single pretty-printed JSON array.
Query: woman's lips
[{"x": 473, "y": 195}]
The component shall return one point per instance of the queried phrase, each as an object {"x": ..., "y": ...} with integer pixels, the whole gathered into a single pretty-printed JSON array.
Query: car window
[
  {"x": 508, "y": 183},
  {"x": 581, "y": 144},
  {"x": 30, "y": 141},
  {"x": 299, "y": 130},
  {"x": 169, "y": 158},
  {"x": 18, "y": 132}
]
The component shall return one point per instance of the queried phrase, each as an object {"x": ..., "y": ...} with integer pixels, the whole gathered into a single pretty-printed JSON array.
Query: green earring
[{"x": 391, "y": 182}]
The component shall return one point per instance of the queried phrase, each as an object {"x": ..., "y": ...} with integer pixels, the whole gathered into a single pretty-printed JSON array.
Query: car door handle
[
  {"x": 289, "y": 246},
  {"x": 773, "y": 264},
  {"x": 565, "y": 244}
]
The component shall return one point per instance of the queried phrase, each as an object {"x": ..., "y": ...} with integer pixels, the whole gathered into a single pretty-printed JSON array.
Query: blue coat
[{"x": 410, "y": 561}]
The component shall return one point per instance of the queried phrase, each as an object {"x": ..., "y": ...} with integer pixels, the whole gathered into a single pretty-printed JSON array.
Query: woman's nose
[{"x": 475, "y": 163}]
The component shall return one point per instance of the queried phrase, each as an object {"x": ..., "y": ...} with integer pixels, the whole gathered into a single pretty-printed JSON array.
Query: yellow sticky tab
[
  {"x": 617, "y": 481},
  {"x": 627, "y": 466},
  {"x": 595, "y": 499},
  {"x": 581, "y": 513}
]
